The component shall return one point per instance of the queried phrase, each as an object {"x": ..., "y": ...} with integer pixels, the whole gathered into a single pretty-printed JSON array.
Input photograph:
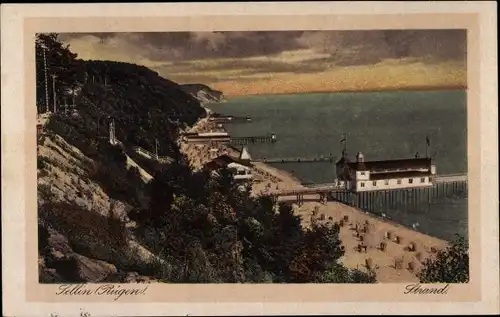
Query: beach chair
[
  {"x": 368, "y": 263},
  {"x": 382, "y": 246},
  {"x": 315, "y": 211},
  {"x": 398, "y": 263},
  {"x": 346, "y": 218},
  {"x": 397, "y": 239},
  {"x": 322, "y": 217},
  {"x": 412, "y": 246},
  {"x": 411, "y": 266}
]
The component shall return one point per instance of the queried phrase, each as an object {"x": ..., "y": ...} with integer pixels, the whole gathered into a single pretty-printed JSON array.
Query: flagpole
[
  {"x": 427, "y": 144},
  {"x": 345, "y": 144}
]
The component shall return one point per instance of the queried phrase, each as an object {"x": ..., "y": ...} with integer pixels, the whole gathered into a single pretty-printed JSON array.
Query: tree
[
  {"x": 337, "y": 273},
  {"x": 321, "y": 249},
  {"x": 450, "y": 265},
  {"x": 59, "y": 61}
]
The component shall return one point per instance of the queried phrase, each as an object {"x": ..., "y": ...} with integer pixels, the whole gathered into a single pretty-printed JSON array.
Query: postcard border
[{"x": 477, "y": 156}]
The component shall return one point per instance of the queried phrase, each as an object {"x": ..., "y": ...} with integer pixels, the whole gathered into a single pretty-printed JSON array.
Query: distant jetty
[
  {"x": 224, "y": 137},
  {"x": 220, "y": 118}
]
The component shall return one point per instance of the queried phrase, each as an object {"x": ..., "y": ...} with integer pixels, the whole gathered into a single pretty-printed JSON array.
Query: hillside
[
  {"x": 103, "y": 220},
  {"x": 84, "y": 234},
  {"x": 203, "y": 93},
  {"x": 87, "y": 189}
]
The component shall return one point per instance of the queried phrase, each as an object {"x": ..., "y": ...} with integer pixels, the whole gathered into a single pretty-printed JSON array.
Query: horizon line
[{"x": 382, "y": 89}]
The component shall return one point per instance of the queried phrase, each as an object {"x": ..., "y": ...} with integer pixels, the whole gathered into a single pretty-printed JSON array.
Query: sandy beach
[{"x": 393, "y": 251}]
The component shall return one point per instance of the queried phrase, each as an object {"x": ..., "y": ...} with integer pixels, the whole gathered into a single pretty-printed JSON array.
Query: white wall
[
  {"x": 246, "y": 172},
  {"x": 239, "y": 167},
  {"x": 243, "y": 177},
  {"x": 393, "y": 184},
  {"x": 362, "y": 175}
]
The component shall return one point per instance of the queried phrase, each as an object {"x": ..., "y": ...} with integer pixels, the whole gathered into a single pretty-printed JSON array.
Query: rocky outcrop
[
  {"x": 203, "y": 93},
  {"x": 84, "y": 235},
  {"x": 59, "y": 263},
  {"x": 64, "y": 176},
  {"x": 62, "y": 259},
  {"x": 129, "y": 277}
]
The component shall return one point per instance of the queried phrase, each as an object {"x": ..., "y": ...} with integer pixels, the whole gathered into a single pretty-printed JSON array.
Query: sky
[{"x": 274, "y": 62}]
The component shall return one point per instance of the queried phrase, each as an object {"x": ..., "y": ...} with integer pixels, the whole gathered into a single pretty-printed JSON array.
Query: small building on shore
[
  {"x": 362, "y": 176},
  {"x": 241, "y": 169},
  {"x": 245, "y": 155}
]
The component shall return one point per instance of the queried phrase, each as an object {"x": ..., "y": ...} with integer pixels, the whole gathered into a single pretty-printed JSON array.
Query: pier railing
[
  {"x": 309, "y": 190},
  {"x": 253, "y": 139},
  {"x": 449, "y": 178},
  {"x": 335, "y": 187},
  {"x": 319, "y": 159}
]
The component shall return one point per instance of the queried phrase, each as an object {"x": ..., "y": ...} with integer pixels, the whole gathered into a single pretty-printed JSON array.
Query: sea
[{"x": 381, "y": 125}]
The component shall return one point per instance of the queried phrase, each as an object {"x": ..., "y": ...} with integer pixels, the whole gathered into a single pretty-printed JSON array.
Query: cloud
[
  {"x": 210, "y": 57},
  {"x": 175, "y": 46},
  {"x": 368, "y": 46}
]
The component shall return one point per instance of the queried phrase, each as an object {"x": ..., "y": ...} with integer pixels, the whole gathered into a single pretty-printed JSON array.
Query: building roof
[
  {"x": 189, "y": 133},
  {"x": 223, "y": 161},
  {"x": 343, "y": 158},
  {"x": 342, "y": 161},
  {"x": 217, "y": 133},
  {"x": 208, "y": 137},
  {"x": 391, "y": 164},
  {"x": 239, "y": 166},
  {"x": 398, "y": 175}
]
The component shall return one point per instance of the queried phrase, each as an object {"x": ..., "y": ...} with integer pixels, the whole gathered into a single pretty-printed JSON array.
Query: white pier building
[{"x": 362, "y": 176}]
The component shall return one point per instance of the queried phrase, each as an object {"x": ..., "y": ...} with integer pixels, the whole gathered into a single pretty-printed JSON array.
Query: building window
[
  {"x": 430, "y": 179},
  {"x": 374, "y": 183},
  {"x": 362, "y": 184},
  {"x": 399, "y": 182},
  {"x": 422, "y": 180},
  {"x": 362, "y": 173},
  {"x": 386, "y": 182},
  {"x": 410, "y": 181}
]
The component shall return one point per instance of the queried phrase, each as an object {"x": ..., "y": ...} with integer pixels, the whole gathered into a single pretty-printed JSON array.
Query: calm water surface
[{"x": 382, "y": 125}]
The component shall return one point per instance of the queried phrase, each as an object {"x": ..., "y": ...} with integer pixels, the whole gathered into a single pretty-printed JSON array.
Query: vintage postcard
[{"x": 249, "y": 159}]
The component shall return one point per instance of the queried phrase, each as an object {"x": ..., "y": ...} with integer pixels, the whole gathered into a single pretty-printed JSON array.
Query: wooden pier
[
  {"x": 222, "y": 118},
  {"x": 253, "y": 139},
  {"x": 378, "y": 201},
  {"x": 230, "y": 119},
  {"x": 284, "y": 160}
]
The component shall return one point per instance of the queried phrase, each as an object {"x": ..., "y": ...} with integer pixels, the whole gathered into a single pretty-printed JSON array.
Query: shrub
[{"x": 450, "y": 265}]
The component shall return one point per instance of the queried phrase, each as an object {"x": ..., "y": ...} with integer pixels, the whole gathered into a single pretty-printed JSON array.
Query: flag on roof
[{"x": 343, "y": 139}]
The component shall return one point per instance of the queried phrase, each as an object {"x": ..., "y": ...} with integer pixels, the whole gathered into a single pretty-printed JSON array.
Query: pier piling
[{"x": 384, "y": 200}]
